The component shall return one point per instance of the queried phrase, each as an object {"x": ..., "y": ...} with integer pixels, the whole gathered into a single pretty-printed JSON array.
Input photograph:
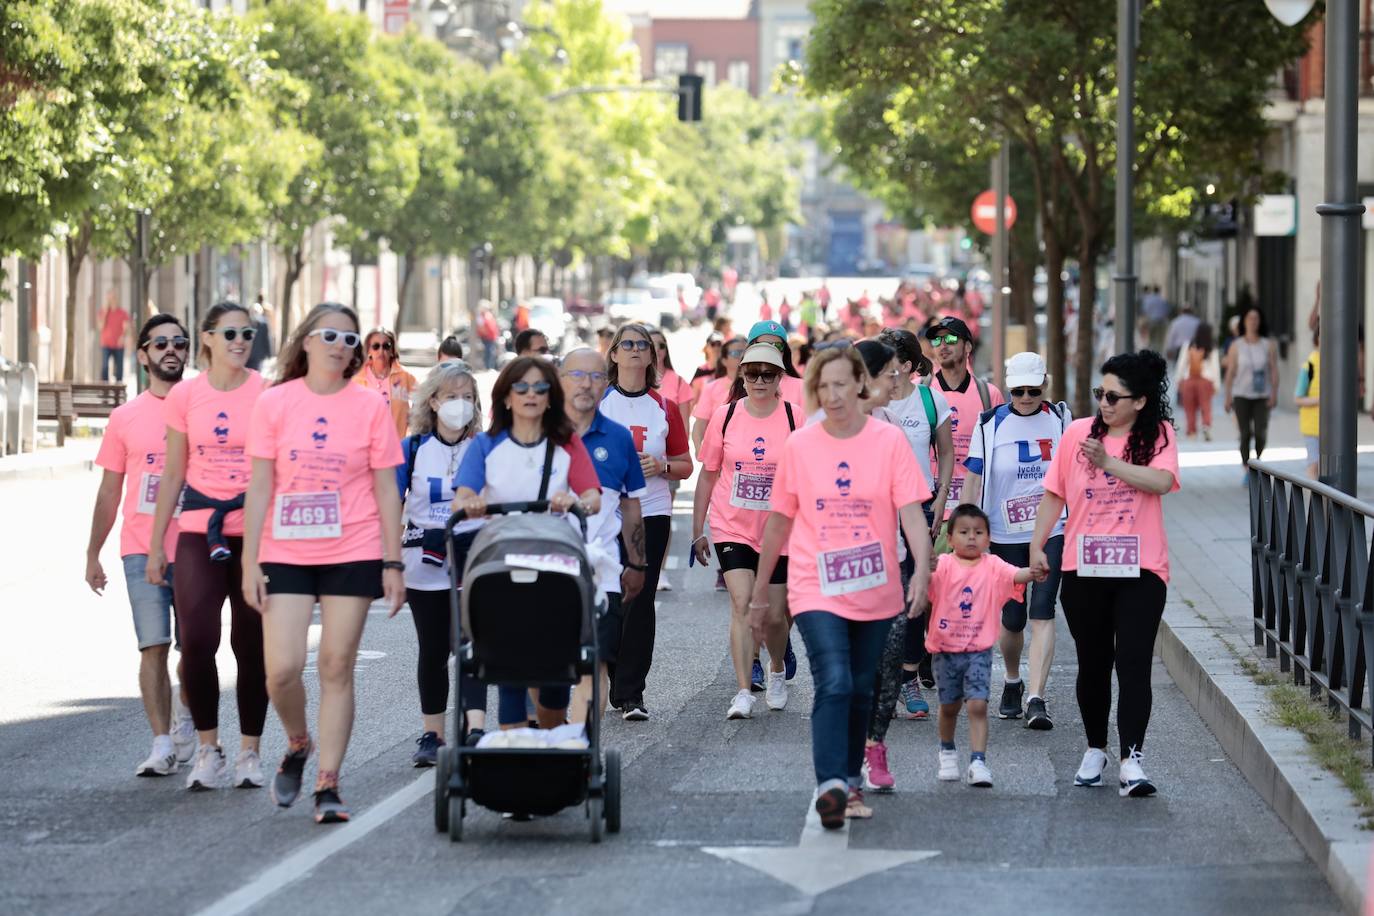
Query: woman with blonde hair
[{"x": 382, "y": 372}]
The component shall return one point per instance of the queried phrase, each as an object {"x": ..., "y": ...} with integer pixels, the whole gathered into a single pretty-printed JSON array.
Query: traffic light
[{"x": 689, "y": 89}]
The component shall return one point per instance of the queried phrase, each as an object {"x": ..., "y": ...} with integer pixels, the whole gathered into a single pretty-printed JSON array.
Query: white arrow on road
[{"x": 821, "y": 860}]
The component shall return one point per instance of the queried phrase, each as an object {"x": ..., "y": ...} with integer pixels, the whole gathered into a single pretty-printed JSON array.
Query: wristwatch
[{"x": 667, "y": 466}]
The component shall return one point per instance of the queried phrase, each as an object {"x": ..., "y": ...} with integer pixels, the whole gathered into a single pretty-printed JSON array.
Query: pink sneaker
[{"x": 875, "y": 772}]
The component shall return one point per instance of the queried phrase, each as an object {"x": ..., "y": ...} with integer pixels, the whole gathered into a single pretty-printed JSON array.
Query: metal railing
[{"x": 1313, "y": 595}]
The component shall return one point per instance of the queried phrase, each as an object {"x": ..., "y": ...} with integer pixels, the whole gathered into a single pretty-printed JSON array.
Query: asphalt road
[{"x": 714, "y": 811}]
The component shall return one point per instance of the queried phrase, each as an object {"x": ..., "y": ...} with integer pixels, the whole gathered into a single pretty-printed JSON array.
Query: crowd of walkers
[{"x": 896, "y": 510}]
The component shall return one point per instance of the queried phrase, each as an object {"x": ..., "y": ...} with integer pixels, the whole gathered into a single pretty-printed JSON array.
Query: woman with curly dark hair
[{"x": 1111, "y": 470}]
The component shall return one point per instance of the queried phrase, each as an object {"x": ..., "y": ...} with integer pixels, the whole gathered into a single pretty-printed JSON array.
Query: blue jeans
[
  {"x": 112, "y": 356},
  {"x": 843, "y": 655}
]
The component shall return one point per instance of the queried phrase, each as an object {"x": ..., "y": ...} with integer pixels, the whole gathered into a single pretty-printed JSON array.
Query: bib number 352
[
  {"x": 306, "y": 516},
  {"x": 1109, "y": 556},
  {"x": 751, "y": 491},
  {"x": 852, "y": 569}
]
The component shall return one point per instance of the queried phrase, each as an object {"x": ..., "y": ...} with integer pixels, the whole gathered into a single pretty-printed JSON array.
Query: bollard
[{"x": 28, "y": 407}]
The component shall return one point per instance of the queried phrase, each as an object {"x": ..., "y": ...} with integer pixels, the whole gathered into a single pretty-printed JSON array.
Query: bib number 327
[
  {"x": 306, "y": 516},
  {"x": 1109, "y": 556},
  {"x": 853, "y": 569}
]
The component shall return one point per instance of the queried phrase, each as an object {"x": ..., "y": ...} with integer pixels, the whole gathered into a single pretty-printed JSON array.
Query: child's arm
[{"x": 1025, "y": 574}]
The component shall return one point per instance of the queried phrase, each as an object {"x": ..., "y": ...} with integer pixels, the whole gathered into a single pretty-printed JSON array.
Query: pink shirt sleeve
[
  {"x": 581, "y": 472},
  {"x": 995, "y": 396},
  {"x": 263, "y": 431},
  {"x": 1167, "y": 457},
  {"x": 707, "y": 401},
  {"x": 1006, "y": 587},
  {"x": 175, "y": 405},
  {"x": 784, "y": 498},
  {"x": 1056, "y": 478},
  {"x": 114, "y": 453},
  {"x": 385, "y": 447},
  {"x": 713, "y": 444}
]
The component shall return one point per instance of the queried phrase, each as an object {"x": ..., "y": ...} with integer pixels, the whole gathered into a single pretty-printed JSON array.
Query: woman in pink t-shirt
[
  {"x": 322, "y": 522},
  {"x": 1111, "y": 470},
  {"x": 717, "y": 391},
  {"x": 739, "y": 456},
  {"x": 207, "y": 426},
  {"x": 670, "y": 384},
  {"x": 840, "y": 487}
]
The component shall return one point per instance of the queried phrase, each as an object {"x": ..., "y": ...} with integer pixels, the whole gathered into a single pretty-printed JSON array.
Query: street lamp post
[{"x": 1127, "y": 35}]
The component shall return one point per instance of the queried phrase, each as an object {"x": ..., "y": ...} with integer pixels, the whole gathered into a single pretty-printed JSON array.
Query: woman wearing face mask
[
  {"x": 445, "y": 418},
  {"x": 384, "y": 375},
  {"x": 717, "y": 392}
]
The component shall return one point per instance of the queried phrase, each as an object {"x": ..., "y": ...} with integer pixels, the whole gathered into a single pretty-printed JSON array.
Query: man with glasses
[
  {"x": 1008, "y": 458},
  {"x": 530, "y": 342},
  {"x": 132, "y": 454},
  {"x": 968, "y": 395},
  {"x": 584, "y": 380}
]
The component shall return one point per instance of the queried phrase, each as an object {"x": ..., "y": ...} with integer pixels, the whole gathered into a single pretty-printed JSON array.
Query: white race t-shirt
[
  {"x": 429, "y": 502},
  {"x": 910, "y": 415},
  {"x": 1018, "y": 452},
  {"x": 655, "y": 423}
]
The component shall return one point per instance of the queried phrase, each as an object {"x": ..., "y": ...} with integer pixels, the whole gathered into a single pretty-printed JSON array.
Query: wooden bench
[
  {"x": 97, "y": 399},
  {"x": 55, "y": 403}
]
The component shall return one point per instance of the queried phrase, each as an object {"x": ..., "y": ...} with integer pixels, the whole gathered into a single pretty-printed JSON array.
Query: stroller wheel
[
  {"x": 442, "y": 767},
  {"x": 455, "y": 818},
  {"x": 594, "y": 814},
  {"x": 612, "y": 791}
]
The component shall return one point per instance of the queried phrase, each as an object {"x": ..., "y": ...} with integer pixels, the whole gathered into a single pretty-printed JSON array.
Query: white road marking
[
  {"x": 302, "y": 861},
  {"x": 672, "y": 562}
]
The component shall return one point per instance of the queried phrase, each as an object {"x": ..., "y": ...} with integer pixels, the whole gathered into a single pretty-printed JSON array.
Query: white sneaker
[
  {"x": 978, "y": 774},
  {"x": 776, "y": 695},
  {"x": 248, "y": 771},
  {"x": 949, "y": 766},
  {"x": 161, "y": 762},
  {"x": 1091, "y": 769},
  {"x": 211, "y": 770},
  {"x": 742, "y": 706},
  {"x": 664, "y": 585},
  {"x": 1134, "y": 782},
  {"x": 184, "y": 737}
]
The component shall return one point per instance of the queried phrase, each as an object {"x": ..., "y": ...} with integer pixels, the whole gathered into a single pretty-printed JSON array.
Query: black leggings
[
  {"x": 200, "y": 592},
  {"x": 434, "y": 632},
  {"x": 637, "y": 638},
  {"x": 1252, "y": 416},
  {"x": 1113, "y": 622}
]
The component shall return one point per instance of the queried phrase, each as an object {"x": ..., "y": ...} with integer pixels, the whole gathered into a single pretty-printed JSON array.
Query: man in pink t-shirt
[
  {"x": 968, "y": 396},
  {"x": 132, "y": 454}
]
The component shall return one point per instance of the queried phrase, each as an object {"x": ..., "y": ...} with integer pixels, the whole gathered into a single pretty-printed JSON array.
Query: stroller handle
[{"x": 535, "y": 505}]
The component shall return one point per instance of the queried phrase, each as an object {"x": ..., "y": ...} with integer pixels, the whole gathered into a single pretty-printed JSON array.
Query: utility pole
[
  {"x": 1127, "y": 36},
  {"x": 1001, "y": 179}
]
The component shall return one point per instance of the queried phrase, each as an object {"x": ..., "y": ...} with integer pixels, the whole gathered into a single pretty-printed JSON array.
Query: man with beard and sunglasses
[{"x": 132, "y": 454}]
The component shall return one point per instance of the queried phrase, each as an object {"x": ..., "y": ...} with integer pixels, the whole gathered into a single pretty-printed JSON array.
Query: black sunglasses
[
  {"x": 177, "y": 343},
  {"x": 527, "y": 387},
  {"x": 842, "y": 344},
  {"x": 765, "y": 377},
  {"x": 232, "y": 334},
  {"x": 630, "y": 345},
  {"x": 734, "y": 354},
  {"x": 1111, "y": 397},
  {"x": 381, "y": 345},
  {"x": 1026, "y": 392}
]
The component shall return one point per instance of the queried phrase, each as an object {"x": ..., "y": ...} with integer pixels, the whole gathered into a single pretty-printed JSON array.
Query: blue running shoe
[
  {"x": 428, "y": 750},
  {"x": 789, "y": 661},
  {"x": 910, "y": 696},
  {"x": 756, "y": 676}
]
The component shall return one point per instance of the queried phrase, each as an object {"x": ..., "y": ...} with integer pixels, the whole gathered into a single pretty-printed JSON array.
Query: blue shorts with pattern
[{"x": 963, "y": 675}]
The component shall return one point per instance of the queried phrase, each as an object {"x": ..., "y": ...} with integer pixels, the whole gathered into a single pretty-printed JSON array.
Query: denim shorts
[
  {"x": 963, "y": 675},
  {"x": 151, "y": 604},
  {"x": 1314, "y": 449}
]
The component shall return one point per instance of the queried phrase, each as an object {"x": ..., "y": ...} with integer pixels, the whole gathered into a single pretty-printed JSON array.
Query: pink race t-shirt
[
  {"x": 216, "y": 428},
  {"x": 674, "y": 389},
  {"x": 842, "y": 496},
  {"x": 716, "y": 393},
  {"x": 790, "y": 389},
  {"x": 1109, "y": 518},
  {"x": 135, "y": 445},
  {"x": 747, "y": 459},
  {"x": 965, "y": 406},
  {"x": 966, "y": 602},
  {"x": 325, "y": 449}
]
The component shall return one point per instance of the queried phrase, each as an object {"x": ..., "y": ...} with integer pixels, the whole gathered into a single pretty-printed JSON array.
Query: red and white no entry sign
[{"x": 984, "y": 212}]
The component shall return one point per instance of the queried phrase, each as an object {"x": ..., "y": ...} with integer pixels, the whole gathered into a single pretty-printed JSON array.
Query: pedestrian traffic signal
[{"x": 689, "y": 87}]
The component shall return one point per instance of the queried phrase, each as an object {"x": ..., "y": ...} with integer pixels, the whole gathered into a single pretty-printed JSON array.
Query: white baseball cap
[
  {"x": 1026, "y": 370},
  {"x": 762, "y": 353}
]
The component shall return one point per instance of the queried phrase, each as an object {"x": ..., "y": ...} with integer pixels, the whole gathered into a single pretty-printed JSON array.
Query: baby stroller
[{"x": 527, "y": 615}]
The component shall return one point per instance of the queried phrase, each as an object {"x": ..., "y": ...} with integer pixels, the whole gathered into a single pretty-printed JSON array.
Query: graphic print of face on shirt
[
  {"x": 759, "y": 450},
  {"x": 966, "y": 602},
  {"x": 222, "y": 428},
  {"x": 842, "y": 479},
  {"x": 321, "y": 434}
]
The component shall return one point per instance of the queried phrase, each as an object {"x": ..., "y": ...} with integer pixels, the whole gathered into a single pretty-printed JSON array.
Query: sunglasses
[
  {"x": 734, "y": 354},
  {"x": 232, "y": 334},
  {"x": 381, "y": 345},
  {"x": 629, "y": 345},
  {"x": 1028, "y": 392},
  {"x": 1111, "y": 397},
  {"x": 844, "y": 344},
  {"x": 949, "y": 339},
  {"x": 331, "y": 336},
  {"x": 527, "y": 387},
  {"x": 177, "y": 343},
  {"x": 767, "y": 378},
  {"x": 582, "y": 375}
]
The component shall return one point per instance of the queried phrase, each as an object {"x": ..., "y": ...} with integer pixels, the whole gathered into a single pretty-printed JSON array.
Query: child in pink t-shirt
[{"x": 967, "y": 591}]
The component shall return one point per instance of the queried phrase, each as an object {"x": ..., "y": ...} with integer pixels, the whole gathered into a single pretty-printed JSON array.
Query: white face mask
[{"x": 456, "y": 414}]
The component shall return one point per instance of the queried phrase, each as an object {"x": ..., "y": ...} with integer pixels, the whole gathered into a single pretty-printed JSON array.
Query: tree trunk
[
  {"x": 402, "y": 295},
  {"x": 1022, "y": 309},
  {"x": 78, "y": 246},
  {"x": 1087, "y": 302},
  {"x": 1054, "y": 314},
  {"x": 295, "y": 263}
]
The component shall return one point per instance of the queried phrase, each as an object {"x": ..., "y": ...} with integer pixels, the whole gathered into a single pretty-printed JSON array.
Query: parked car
[
  {"x": 418, "y": 348},
  {"x": 631, "y": 304},
  {"x": 584, "y": 307},
  {"x": 549, "y": 317}
]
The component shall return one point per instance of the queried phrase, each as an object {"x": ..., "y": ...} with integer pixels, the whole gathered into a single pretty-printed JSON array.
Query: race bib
[
  {"x": 852, "y": 569},
  {"x": 1109, "y": 556},
  {"x": 1019, "y": 512},
  {"x": 751, "y": 491},
  {"x": 956, "y": 489},
  {"x": 306, "y": 516},
  {"x": 148, "y": 488}
]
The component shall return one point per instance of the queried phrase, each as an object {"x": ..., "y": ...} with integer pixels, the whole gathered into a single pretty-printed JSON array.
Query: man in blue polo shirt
[{"x": 583, "y": 375}]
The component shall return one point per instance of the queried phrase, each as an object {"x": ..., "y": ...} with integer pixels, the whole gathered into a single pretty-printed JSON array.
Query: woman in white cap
[{"x": 1008, "y": 457}]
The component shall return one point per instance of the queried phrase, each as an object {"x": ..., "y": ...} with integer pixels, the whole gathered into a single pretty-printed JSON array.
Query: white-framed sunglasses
[{"x": 333, "y": 336}]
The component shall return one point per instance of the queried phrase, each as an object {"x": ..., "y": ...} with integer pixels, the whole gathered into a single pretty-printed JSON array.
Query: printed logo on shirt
[
  {"x": 966, "y": 602},
  {"x": 639, "y": 433},
  {"x": 759, "y": 450},
  {"x": 1043, "y": 451},
  {"x": 842, "y": 478},
  {"x": 222, "y": 428},
  {"x": 600, "y": 453},
  {"x": 321, "y": 434},
  {"x": 953, "y": 419}
]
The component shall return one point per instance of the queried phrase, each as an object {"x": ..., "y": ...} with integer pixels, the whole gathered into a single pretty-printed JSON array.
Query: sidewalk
[
  {"x": 76, "y": 457},
  {"x": 1209, "y": 630}
]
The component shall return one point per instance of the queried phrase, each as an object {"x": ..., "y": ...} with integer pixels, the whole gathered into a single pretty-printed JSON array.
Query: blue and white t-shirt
[
  {"x": 1012, "y": 453},
  {"x": 428, "y": 502},
  {"x": 504, "y": 470}
]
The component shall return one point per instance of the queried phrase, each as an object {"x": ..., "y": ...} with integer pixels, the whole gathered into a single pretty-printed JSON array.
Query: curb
[
  {"x": 68, "y": 468},
  {"x": 1314, "y": 805}
]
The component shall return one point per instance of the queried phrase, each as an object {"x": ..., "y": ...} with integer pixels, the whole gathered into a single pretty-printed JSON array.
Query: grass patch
[{"x": 1326, "y": 739}]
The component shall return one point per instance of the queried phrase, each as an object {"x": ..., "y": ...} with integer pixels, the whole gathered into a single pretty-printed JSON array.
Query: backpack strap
[
  {"x": 791, "y": 422},
  {"x": 412, "y": 447},
  {"x": 548, "y": 470},
  {"x": 730, "y": 412},
  {"x": 983, "y": 393},
  {"x": 928, "y": 400}
]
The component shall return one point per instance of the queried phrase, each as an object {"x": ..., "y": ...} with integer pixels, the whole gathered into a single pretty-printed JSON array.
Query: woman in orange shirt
[{"x": 383, "y": 373}]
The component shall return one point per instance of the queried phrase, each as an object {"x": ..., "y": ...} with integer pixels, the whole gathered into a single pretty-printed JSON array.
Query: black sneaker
[
  {"x": 1011, "y": 700},
  {"x": 1037, "y": 715},
  {"x": 635, "y": 711},
  {"x": 923, "y": 670},
  {"x": 286, "y": 785},
  {"x": 329, "y": 808},
  {"x": 474, "y": 735},
  {"x": 428, "y": 750},
  {"x": 756, "y": 679}
]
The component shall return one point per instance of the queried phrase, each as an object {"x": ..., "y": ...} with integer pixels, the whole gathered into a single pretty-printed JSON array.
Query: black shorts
[
  {"x": 360, "y": 579},
  {"x": 609, "y": 626},
  {"x": 734, "y": 555}
]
